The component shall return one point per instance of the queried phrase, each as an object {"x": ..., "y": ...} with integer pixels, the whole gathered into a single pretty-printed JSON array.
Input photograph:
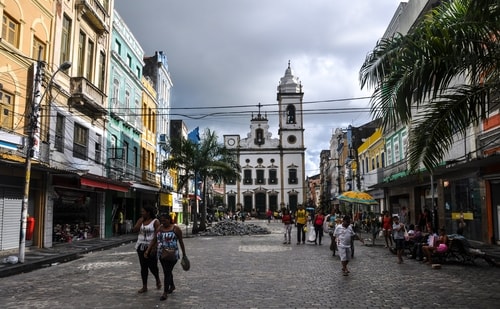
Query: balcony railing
[
  {"x": 95, "y": 14},
  {"x": 87, "y": 97},
  {"x": 150, "y": 177}
]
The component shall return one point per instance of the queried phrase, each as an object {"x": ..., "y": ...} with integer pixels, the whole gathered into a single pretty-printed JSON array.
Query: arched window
[
  {"x": 259, "y": 137},
  {"x": 290, "y": 114}
]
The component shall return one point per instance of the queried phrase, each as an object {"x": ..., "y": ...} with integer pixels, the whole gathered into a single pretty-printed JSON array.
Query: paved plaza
[{"x": 256, "y": 272}]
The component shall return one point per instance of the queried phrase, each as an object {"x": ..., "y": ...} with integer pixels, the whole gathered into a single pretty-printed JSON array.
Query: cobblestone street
[{"x": 256, "y": 272}]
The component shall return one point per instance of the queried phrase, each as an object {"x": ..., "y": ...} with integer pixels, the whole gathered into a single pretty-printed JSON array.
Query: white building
[{"x": 273, "y": 173}]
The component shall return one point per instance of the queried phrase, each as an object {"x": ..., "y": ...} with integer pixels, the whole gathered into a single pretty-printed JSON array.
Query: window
[
  {"x": 129, "y": 61},
  {"x": 388, "y": 149},
  {"x": 65, "y": 39},
  {"x": 247, "y": 177},
  {"x": 260, "y": 176},
  {"x": 10, "y": 30},
  {"x": 404, "y": 143},
  {"x": 395, "y": 142},
  {"x": 290, "y": 114},
  {"x": 80, "y": 142},
  {"x": 378, "y": 162},
  {"x": 82, "y": 38},
  {"x": 7, "y": 110},
  {"x": 90, "y": 61},
  {"x": 59, "y": 137},
  {"x": 118, "y": 47},
  {"x": 125, "y": 151},
  {"x": 259, "y": 137},
  {"x": 116, "y": 94},
  {"x": 273, "y": 179},
  {"x": 292, "y": 176},
  {"x": 98, "y": 148},
  {"x": 138, "y": 72},
  {"x": 373, "y": 163},
  {"x": 37, "y": 44},
  {"x": 135, "y": 156},
  {"x": 102, "y": 72},
  {"x": 382, "y": 156}
]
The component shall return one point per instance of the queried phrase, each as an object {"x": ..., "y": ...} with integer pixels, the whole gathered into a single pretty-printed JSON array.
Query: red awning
[{"x": 103, "y": 183}]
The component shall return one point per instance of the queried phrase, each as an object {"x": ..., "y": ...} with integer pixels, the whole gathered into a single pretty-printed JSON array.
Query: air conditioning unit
[{"x": 163, "y": 138}]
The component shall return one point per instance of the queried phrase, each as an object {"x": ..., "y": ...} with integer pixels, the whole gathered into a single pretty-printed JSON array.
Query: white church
[{"x": 273, "y": 172}]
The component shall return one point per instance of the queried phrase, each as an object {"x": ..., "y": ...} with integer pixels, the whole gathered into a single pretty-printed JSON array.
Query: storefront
[{"x": 79, "y": 206}]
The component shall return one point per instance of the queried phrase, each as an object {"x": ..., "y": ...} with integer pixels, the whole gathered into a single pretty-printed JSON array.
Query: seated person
[
  {"x": 437, "y": 244},
  {"x": 415, "y": 242}
]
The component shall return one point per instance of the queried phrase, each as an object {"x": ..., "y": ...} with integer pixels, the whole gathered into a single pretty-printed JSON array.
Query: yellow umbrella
[{"x": 357, "y": 197}]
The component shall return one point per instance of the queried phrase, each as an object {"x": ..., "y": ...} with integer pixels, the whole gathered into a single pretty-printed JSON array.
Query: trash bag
[{"x": 12, "y": 259}]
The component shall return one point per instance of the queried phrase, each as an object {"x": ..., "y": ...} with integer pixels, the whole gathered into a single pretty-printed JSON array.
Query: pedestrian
[
  {"x": 300, "y": 223},
  {"x": 330, "y": 228},
  {"x": 343, "y": 235},
  {"x": 375, "y": 227},
  {"x": 167, "y": 236},
  {"x": 287, "y": 221},
  {"x": 398, "y": 229},
  {"x": 146, "y": 225},
  {"x": 119, "y": 221},
  {"x": 269, "y": 215},
  {"x": 319, "y": 219},
  {"x": 403, "y": 216},
  {"x": 387, "y": 228}
]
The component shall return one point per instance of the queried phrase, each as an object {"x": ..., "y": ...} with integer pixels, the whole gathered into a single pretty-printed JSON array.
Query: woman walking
[
  {"x": 146, "y": 225},
  {"x": 168, "y": 238}
]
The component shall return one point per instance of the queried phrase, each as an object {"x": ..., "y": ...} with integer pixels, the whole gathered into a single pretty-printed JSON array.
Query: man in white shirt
[{"x": 343, "y": 235}]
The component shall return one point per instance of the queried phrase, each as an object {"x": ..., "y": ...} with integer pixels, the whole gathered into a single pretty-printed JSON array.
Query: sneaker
[{"x": 285, "y": 243}]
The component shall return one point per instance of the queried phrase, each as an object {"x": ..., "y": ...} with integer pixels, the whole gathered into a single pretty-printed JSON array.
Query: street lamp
[{"x": 37, "y": 98}]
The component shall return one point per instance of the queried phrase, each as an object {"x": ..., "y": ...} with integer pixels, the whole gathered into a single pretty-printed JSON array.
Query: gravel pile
[{"x": 231, "y": 228}]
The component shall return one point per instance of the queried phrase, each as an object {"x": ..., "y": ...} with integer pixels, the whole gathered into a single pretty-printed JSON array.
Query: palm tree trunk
[{"x": 203, "y": 208}]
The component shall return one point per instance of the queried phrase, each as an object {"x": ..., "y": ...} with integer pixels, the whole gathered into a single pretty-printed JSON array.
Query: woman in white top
[{"x": 146, "y": 225}]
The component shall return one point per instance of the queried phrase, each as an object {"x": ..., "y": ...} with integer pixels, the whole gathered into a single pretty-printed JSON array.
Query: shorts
[
  {"x": 344, "y": 254},
  {"x": 400, "y": 244}
]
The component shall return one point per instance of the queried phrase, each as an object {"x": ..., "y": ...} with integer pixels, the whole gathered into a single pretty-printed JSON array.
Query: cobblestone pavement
[{"x": 255, "y": 272}]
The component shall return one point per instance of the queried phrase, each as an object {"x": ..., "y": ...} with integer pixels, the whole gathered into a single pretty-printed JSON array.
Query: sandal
[
  {"x": 142, "y": 290},
  {"x": 169, "y": 291},
  {"x": 158, "y": 285},
  {"x": 164, "y": 296}
]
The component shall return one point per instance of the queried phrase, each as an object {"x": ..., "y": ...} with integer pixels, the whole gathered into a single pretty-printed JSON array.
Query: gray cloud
[{"x": 227, "y": 53}]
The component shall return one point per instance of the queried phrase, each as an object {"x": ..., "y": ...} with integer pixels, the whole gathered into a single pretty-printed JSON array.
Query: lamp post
[{"x": 33, "y": 126}]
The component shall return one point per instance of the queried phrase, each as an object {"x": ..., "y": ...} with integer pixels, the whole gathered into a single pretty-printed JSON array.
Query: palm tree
[
  {"x": 207, "y": 159},
  {"x": 439, "y": 78}
]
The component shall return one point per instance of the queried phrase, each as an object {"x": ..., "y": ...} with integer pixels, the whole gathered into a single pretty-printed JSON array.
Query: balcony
[
  {"x": 95, "y": 14},
  {"x": 150, "y": 178},
  {"x": 87, "y": 98}
]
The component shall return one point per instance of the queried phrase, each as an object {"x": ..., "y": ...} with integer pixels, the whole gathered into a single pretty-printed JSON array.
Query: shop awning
[
  {"x": 145, "y": 188},
  {"x": 103, "y": 183}
]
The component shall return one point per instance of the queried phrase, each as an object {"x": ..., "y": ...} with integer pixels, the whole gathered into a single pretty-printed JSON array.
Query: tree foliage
[
  {"x": 200, "y": 162},
  {"x": 439, "y": 78}
]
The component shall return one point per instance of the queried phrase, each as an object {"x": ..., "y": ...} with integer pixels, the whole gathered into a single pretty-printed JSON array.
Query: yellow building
[{"x": 148, "y": 137}]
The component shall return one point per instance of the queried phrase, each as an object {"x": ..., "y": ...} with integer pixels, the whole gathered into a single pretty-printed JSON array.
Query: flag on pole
[{"x": 194, "y": 135}]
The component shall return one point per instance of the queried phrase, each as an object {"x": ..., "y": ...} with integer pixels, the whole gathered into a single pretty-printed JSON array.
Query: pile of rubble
[{"x": 232, "y": 228}]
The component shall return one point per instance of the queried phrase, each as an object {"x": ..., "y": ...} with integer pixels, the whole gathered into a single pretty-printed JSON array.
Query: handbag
[
  {"x": 185, "y": 263},
  {"x": 168, "y": 254}
]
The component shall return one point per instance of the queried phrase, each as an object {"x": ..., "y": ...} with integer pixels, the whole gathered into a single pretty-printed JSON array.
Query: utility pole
[{"x": 34, "y": 109}]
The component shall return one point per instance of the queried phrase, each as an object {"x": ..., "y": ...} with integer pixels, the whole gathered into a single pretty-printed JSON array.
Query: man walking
[
  {"x": 343, "y": 235},
  {"x": 300, "y": 222}
]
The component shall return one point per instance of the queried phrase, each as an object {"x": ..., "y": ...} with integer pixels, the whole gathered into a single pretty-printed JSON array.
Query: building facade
[{"x": 273, "y": 175}]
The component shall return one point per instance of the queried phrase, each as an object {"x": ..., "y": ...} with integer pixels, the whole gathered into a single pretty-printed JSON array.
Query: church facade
[{"x": 272, "y": 169}]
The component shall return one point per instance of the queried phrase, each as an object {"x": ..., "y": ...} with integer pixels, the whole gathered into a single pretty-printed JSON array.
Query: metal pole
[{"x": 32, "y": 126}]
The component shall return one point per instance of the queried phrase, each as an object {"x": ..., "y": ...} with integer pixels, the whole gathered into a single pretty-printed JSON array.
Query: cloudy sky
[{"x": 227, "y": 56}]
